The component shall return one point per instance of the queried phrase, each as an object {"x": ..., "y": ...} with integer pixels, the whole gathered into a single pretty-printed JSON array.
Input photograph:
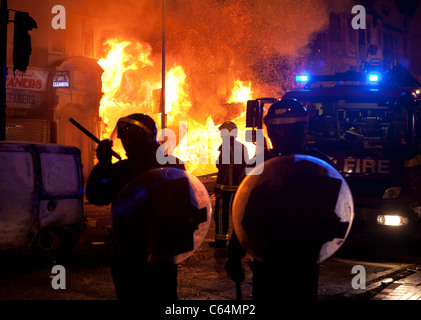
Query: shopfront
[
  {"x": 40, "y": 103},
  {"x": 30, "y": 105}
]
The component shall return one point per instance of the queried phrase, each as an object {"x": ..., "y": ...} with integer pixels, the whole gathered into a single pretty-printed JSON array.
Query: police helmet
[
  {"x": 137, "y": 121},
  {"x": 286, "y": 111}
]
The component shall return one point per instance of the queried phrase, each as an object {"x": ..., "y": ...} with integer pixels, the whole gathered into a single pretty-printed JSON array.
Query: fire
[
  {"x": 116, "y": 66},
  {"x": 131, "y": 84},
  {"x": 199, "y": 147},
  {"x": 123, "y": 92},
  {"x": 240, "y": 93},
  {"x": 176, "y": 96}
]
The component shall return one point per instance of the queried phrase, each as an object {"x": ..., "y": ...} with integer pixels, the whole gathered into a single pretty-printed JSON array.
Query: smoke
[
  {"x": 237, "y": 27},
  {"x": 215, "y": 41},
  {"x": 219, "y": 41}
]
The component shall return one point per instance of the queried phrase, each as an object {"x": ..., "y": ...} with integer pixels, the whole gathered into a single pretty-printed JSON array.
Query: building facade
[
  {"x": 63, "y": 79},
  {"x": 392, "y": 36}
]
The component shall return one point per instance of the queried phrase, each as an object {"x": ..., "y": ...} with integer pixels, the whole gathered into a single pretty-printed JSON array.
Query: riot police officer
[
  {"x": 286, "y": 123},
  {"x": 138, "y": 135},
  {"x": 231, "y": 163},
  {"x": 134, "y": 277}
]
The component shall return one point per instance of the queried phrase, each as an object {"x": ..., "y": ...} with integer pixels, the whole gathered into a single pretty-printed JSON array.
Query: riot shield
[
  {"x": 162, "y": 215},
  {"x": 299, "y": 209}
]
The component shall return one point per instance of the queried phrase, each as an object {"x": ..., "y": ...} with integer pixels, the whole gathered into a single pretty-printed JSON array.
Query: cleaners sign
[
  {"x": 61, "y": 79},
  {"x": 25, "y": 90}
]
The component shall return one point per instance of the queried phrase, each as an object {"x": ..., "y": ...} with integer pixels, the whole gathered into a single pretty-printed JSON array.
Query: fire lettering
[
  {"x": 383, "y": 166},
  {"x": 369, "y": 164},
  {"x": 353, "y": 165}
]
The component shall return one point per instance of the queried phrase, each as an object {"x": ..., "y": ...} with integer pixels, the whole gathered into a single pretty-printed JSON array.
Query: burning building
[{"x": 107, "y": 63}]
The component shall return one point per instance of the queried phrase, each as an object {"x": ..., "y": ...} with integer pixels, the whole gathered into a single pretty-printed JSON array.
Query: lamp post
[
  {"x": 4, "y": 20},
  {"x": 163, "y": 115}
]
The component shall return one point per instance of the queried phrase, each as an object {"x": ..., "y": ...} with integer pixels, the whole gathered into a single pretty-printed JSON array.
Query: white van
[{"x": 41, "y": 196}]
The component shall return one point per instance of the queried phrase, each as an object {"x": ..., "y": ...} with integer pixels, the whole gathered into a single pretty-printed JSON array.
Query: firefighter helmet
[
  {"x": 286, "y": 111},
  {"x": 161, "y": 231},
  {"x": 299, "y": 209},
  {"x": 137, "y": 121},
  {"x": 228, "y": 127}
]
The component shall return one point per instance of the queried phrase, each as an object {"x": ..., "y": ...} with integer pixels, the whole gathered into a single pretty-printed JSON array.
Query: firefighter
[
  {"x": 232, "y": 160},
  {"x": 286, "y": 123},
  {"x": 138, "y": 136}
]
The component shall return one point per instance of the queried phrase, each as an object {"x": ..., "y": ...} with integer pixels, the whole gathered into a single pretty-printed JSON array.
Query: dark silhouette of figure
[
  {"x": 134, "y": 277},
  {"x": 285, "y": 277},
  {"x": 232, "y": 161}
]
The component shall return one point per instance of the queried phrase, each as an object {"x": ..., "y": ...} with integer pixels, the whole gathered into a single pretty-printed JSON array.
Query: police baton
[{"x": 90, "y": 135}]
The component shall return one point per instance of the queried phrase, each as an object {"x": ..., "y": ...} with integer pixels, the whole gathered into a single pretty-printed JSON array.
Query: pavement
[
  {"x": 408, "y": 287},
  {"x": 202, "y": 276}
]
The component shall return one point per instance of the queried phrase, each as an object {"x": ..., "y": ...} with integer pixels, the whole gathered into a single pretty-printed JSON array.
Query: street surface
[{"x": 202, "y": 276}]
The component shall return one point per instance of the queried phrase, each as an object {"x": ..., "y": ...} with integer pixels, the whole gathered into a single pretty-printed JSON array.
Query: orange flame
[
  {"x": 129, "y": 81},
  {"x": 240, "y": 93},
  {"x": 123, "y": 91},
  {"x": 176, "y": 97}
]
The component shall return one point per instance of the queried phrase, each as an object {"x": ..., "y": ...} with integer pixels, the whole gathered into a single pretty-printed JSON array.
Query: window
[
  {"x": 365, "y": 124},
  {"x": 352, "y": 33},
  {"x": 57, "y": 40},
  {"x": 17, "y": 172},
  {"x": 59, "y": 173},
  {"x": 88, "y": 39},
  {"x": 335, "y": 27},
  {"x": 356, "y": 124},
  {"x": 392, "y": 46},
  {"x": 368, "y": 33},
  {"x": 405, "y": 48},
  {"x": 361, "y": 36}
]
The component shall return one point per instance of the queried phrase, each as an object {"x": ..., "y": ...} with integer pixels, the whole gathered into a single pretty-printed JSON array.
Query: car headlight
[{"x": 392, "y": 220}]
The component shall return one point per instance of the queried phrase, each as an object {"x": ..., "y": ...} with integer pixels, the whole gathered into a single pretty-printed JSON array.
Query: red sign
[
  {"x": 26, "y": 90},
  {"x": 30, "y": 80}
]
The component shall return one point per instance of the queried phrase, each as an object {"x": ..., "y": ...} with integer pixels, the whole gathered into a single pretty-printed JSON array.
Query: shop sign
[
  {"x": 34, "y": 80},
  {"x": 26, "y": 89},
  {"x": 61, "y": 79}
]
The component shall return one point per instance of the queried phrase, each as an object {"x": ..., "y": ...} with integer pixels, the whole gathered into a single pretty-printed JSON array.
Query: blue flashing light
[
  {"x": 373, "y": 77},
  {"x": 302, "y": 78}
]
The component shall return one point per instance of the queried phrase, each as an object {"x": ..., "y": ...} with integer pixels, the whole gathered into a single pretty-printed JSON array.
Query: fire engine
[{"x": 369, "y": 124}]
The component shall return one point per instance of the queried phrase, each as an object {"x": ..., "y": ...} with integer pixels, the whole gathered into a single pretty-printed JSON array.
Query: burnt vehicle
[
  {"x": 41, "y": 197},
  {"x": 369, "y": 124}
]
